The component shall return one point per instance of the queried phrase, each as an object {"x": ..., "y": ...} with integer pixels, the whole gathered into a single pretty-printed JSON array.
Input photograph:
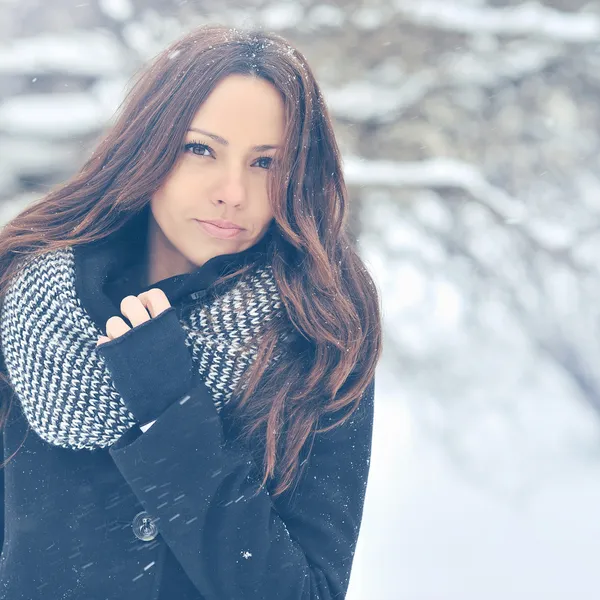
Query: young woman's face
[{"x": 222, "y": 174}]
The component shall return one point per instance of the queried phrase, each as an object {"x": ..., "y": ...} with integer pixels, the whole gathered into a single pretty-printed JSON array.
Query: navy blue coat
[{"x": 168, "y": 513}]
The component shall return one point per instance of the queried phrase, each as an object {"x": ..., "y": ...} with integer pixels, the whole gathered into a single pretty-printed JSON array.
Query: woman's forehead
[{"x": 239, "y": 107}]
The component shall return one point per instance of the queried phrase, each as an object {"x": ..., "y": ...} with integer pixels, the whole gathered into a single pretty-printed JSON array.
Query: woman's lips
[{"x": 221, "y": 233}]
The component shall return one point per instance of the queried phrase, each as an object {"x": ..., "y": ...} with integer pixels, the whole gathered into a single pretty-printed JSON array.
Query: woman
[{"x": 190, "y": 343}]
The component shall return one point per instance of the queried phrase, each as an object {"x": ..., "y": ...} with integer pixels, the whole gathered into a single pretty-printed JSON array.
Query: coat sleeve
[
  {"x": 2, "y": 489},
  {"x": 3, "y": 417},
  {"x": 199, "y": 489}
]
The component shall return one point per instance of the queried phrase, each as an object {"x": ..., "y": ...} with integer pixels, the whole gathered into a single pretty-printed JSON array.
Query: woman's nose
[{"x": 232, "y": 190}]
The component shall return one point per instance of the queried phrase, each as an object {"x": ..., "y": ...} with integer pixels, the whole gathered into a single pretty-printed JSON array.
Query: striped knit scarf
[{"x": 66, "y": 391}]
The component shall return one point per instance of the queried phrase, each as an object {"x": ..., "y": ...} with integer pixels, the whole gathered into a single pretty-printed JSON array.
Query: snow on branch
[
  {"x": 551, "y": 238},
  {"x": 434, "y": 173},
  {"x": 77, "y": 52},
  {"x": 529, "y": 19},
  {"x": 53, "y": 116},
  {"x": 365, "y": 101}
]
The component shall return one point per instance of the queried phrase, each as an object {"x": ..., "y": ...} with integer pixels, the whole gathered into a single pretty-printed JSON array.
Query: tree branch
[{"x": 531, "y": 19}]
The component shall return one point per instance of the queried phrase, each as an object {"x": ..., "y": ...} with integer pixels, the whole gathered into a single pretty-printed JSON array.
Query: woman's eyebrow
[{"x": 224, "y": 142}]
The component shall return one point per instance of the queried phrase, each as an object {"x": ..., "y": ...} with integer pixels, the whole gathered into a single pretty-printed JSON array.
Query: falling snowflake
[{"x": 246, "y": 554}]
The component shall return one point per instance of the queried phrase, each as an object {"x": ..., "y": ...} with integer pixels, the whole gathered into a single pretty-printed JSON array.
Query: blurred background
[{"x": 470, "y": 135}]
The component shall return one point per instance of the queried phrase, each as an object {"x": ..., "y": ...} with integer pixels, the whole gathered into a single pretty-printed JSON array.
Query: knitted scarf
[{"x": 65, "y": 389}]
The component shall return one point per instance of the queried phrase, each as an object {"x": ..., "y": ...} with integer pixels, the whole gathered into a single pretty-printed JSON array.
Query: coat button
[{"x": 144, "y": 527}]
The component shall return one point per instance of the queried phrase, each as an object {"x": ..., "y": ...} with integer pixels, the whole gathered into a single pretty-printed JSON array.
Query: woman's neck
[{"x": 163, "y": 259}]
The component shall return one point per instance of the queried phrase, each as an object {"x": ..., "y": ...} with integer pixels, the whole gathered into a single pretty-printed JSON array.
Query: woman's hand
[
  {"x": 138, "y": 309},
  {"x": 149, "y": 363}
]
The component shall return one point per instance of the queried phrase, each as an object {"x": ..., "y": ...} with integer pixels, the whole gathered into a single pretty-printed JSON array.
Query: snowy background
[{"x": 470, "y": 133}]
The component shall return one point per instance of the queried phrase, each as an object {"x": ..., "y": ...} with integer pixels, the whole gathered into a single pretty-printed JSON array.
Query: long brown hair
[{"x": 328, "y": 295}]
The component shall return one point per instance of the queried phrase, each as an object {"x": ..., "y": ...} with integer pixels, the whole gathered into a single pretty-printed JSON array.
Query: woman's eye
[
  {"x": 264, "y": 162},
  {"x": 198, "y": 149}
]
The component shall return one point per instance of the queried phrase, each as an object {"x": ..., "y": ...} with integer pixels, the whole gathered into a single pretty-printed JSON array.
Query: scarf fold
[{"x": 48, "y": 341}]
